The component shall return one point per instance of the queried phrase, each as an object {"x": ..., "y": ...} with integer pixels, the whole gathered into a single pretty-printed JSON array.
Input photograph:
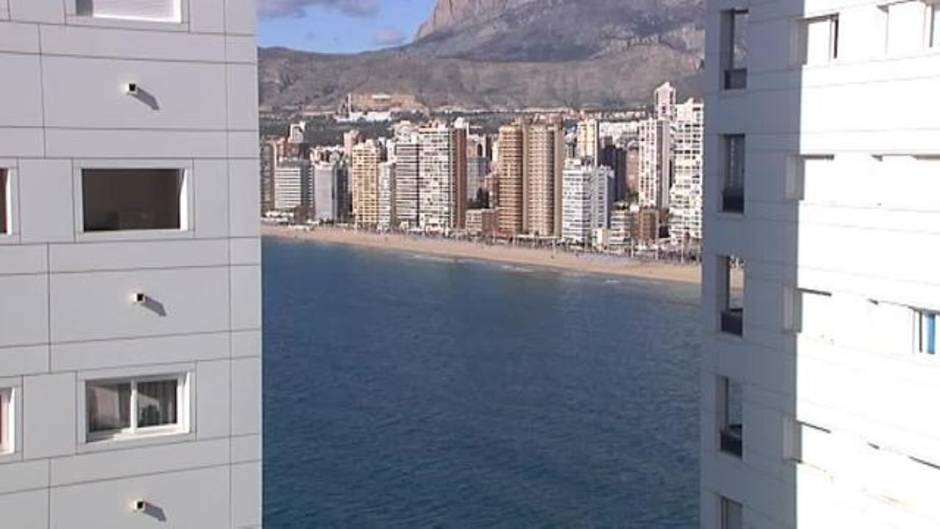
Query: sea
[{"x": 408, "y": 392}]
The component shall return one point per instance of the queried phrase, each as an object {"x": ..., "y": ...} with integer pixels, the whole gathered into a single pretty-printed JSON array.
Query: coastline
[{"x": 535, "y": 257}]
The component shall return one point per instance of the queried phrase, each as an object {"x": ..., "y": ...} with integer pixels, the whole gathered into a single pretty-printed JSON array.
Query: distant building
[
  {"x": 325, "y": 191},
  {"x": 407, "y": 176},
  {"x": 588, "y": 143},
  {"x": 482, "y": 222},
  {"x": 633, "y": 169},
  {"x": 616, "y": 158},
  {"x": 292, "y": 187},
  {"x": 544, "y": 164},
  {"x": 386, "y": 219},
  {"x": 477, "y": 169},
  {"x": 364, "y": 181},
  {"x": 584, "y": 199},
  {"x": 685, "y": 199},
  {"x": 437, "y": 185},
  {"x": 298, "y": 132},
  {"x": 665, "y": 102},
  {"x": 350, "y": 140},
  {"x": 268, "y": 164},
  {"x": 655, "y": 163},
  {"x": 510, "y": 179}
]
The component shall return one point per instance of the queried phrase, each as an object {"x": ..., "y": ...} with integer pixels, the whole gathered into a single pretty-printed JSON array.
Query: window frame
[
  {"x": 724, "y": 423},
  {"x": 927, "y": 340},
  {"x": 8, "y": 418},
  {"x": 724, "y": 512},
  {"x": 933, "y": 25},
  {"x": 181, "y": 24},
  {"x": 184, "y": 409},
  {"x": 187, "y": 200},
  {"x": 802, "y": 48},
  {"x": 732, "y": 76},
  {"x": 9, "y": 187}
]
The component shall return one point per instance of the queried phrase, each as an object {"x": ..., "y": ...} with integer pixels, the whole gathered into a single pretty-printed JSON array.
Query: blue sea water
[{"x": 407, "y": 392}]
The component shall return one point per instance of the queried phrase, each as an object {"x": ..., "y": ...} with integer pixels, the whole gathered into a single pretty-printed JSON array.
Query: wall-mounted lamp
[
  {"x": 131, "y": 89},
  {"x": 138, "y": 298},
  {"x": 138, "y": 506}
]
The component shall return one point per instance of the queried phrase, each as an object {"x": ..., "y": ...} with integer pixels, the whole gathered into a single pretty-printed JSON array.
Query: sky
[{"x": 340, "y": 26}]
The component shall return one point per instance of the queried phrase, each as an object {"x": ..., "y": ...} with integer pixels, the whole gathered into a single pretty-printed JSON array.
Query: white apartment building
[
  {"x": 292, "y": 184},
  {"x": 685, "y": 196},
  {"x": 655, "y": 163},
  {"x": 437, "y": 187},
  {"x": 407, "y": 176},
  {"x": 822, "y": 182},
  {"x": 584, "y": 199},
  {"x": 130, "y": 265},
  {"x": 386, "y": 196},
  {"x": 325, "y": 192}
]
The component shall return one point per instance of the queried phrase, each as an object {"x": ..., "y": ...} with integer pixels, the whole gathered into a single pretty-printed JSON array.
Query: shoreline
[{"x": 542, "y": 258}]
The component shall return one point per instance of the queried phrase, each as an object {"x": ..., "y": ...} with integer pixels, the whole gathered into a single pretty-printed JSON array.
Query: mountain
[{"x": 510, "y": 53}]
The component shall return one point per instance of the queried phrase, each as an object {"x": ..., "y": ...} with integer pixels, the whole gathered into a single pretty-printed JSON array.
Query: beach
[{"x": 500, "y": 253}]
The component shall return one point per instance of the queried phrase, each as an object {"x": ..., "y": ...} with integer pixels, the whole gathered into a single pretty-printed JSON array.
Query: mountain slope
[{"x": 510, "y": 53}]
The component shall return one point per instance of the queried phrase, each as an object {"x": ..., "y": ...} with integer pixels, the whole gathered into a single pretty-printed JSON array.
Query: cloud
[
  {"x": 388, "y": 37},
  {"x": 296, "y": 8}
]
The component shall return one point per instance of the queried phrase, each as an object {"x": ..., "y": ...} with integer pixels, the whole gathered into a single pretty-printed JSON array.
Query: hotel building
[
  {"x": 685, "y": 195},
  {"x": 821, "y": 297},
  {"x": 130, "y": 265},
  {"x": 511, "y": 184}
]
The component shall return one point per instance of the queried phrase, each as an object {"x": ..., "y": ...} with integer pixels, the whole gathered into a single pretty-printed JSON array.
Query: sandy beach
[{"x": 542, "y": 258}]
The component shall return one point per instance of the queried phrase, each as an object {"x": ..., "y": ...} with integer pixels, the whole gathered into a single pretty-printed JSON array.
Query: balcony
[
  {"x": 735, "y": 79},
  {"x": 732, "y": 440},
  {"x": 732, "y": 200},
  {"x": 732, "y": 321}
]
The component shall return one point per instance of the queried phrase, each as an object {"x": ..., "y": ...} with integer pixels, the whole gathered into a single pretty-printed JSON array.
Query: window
[
  {"x": 7, "y": 439},
  {"x": 732, "y": 195},
  {"x": 927, "y": 332},
  {"x": 133, "y": 199},
  {"x": 730, "y": 417},
  {"x": 731, "y": 291},
  {"x": 820, "y": 40},
  {"x": 147, "y": 10},
  {"x": 4, "y": 201},
  {"x": 904, "y": 26},
  {"x": 732, "y": 514},
  {"x": 734, "y": 48},
  {"x": 133, "y": 407}
]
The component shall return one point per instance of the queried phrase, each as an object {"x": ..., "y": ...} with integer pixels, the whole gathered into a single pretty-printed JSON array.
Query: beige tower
[
  {"x": 510, "y": 168},
  {"x": 544, "y": 164},
  {"x": 365, "y": 182}
]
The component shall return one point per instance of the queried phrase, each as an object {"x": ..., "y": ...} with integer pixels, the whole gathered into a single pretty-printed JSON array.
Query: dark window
[
  {"x": 734, "y": 49},
  {"x": 731, "y": 417},
  {"x": 732, "y": 194},
  {"x": 731, "y": 290},
  {"x": 132, "y": 199},
  {"x": 4, "y": 191}
]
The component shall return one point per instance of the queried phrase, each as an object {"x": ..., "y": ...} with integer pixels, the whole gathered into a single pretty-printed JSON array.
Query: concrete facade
[
  {"x": 71, "y": 314},
  {"x": 829, "y": 122}
]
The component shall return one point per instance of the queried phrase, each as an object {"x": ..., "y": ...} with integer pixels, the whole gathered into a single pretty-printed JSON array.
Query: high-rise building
[
  {"x": 442, "y": 177},
  {"x": 350, "y": 140},
  {"x": 130, "y": 271},
  {"x": 655, "y": 163},
  {"x": 325, "y": 191},
  {"x": 588, "y": 143},
  {"x": 387, "y": 220},
  {"x": 292, "y": 185},
  {"x": 584, "y": 199},
  {"x": 615, "y": 157},
  {"x": 268, "y": 163},
  {"x": 633, "y": 170},
  {"x": 407, "y": 177},
  {"x": 544, "y": 164},
  {"x": 364, "y": 182},
  {"x": 685, "y": 196},
  {"x": 510, "y": 194},
  {"x": 665, "y": 102},
  {"x": 821, "y": 303}
]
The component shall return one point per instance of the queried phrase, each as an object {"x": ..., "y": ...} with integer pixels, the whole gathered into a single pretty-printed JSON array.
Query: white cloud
[{"x": 295, "y": 8}]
